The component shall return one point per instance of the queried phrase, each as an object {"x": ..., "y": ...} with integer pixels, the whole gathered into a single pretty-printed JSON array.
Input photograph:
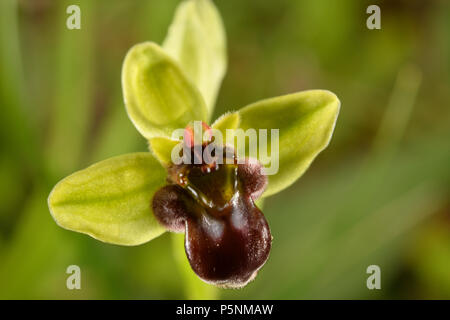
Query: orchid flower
[{"x": 133, "y": 198}]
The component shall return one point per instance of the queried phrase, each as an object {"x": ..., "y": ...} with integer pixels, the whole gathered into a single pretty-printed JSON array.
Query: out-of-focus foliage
[{"x": 378, "y": 195}]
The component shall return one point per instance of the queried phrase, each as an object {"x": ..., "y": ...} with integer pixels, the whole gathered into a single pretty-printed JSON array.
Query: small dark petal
[
  {"x": 171, "y": 207},
  {"x": 229, "y": 251},
  {"x": 252, "y": 178}
]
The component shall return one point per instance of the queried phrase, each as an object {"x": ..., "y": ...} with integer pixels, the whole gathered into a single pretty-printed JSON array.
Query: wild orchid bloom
[{"x": 134, "y": 198}]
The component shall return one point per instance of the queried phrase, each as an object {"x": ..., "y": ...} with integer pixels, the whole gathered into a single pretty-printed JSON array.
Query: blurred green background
[{"x": 378, "y": 195}]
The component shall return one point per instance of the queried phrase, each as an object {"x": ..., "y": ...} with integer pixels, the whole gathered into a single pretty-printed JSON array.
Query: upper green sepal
[
  {"x": 197, "y": 41},
  {"x": 305, "y": 123},
  {"x": 159, "y": 98},
  {"x": 111, "y": 200}
]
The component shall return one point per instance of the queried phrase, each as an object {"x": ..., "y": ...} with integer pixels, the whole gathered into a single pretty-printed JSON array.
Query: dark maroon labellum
[{"x": 227, "y": 238}]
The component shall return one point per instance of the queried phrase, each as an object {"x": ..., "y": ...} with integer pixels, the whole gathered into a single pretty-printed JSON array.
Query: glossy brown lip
[
  {"x": 229, "y": 250},
  {"x": 227, "y": 238}
]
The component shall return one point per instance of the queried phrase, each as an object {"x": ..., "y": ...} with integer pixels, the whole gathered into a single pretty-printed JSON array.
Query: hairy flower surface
[{"x": 227, "y": 237}]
